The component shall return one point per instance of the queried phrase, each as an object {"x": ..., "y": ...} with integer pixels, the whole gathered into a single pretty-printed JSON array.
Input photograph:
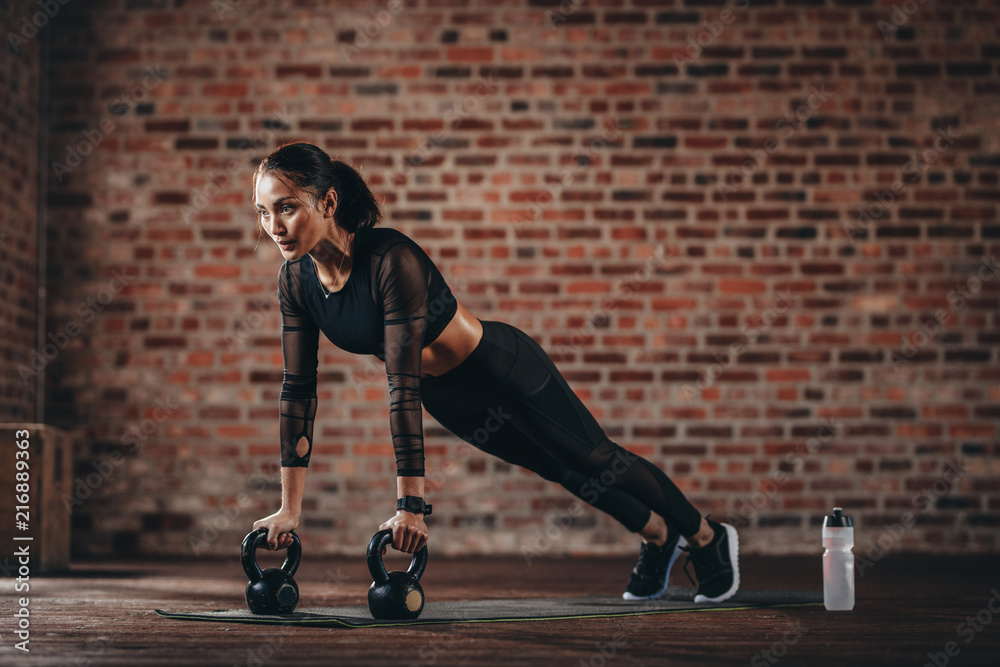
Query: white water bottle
[{"x": 838, "y": 562}]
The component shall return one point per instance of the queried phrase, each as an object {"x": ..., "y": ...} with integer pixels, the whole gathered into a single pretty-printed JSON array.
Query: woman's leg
[
  {"x": 553, "y": 416},
  {"x": 553, "y": 433},
  {"x": 481, "y": 418},
  {"x": 556, "y": 436}
]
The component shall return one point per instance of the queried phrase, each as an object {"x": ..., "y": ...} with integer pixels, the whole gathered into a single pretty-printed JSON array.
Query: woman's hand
[
  {"x": 278, "y": 525},
  {"x": 409, "y": 532}
]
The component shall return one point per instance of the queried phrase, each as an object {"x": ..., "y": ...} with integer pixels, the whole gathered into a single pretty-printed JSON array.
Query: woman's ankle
[
  {"x": 704, "y": 536},
  {"x": 658, "y": 540},
  {"x": 655, "y": 531}
]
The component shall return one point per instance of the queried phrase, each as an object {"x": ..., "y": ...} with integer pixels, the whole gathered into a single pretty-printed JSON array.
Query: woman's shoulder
[
  {"x": 290, "y": 268},
  {"x": 395, "y": 250},
  {"x": 391, "y": 249},
  {"x": 380, "y": 239}
]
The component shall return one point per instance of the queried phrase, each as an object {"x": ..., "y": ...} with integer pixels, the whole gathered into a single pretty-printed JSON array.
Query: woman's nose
[{"x": 273, "y": 227}]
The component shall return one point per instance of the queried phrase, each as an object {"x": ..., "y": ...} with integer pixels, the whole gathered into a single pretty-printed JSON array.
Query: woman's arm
[
  {"x": 402, "y": 278},
  {"x": 286, "y": 519},
  {"x": 293, "y": 485},
  {"x": 296, "y": 408},
  {"x": 410, "y": 486}
]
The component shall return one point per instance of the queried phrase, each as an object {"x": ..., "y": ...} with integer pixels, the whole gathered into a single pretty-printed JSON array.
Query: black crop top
[{"x": 395, "y": 302}]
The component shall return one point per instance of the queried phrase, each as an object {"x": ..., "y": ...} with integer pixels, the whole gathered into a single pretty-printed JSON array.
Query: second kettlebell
[
  {"x": 394, "y": 595},
  {"x": 272, "y": 591}
]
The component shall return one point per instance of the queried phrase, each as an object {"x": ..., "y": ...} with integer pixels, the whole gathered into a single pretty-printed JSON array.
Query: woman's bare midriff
[{"x": 453, "y": 345}]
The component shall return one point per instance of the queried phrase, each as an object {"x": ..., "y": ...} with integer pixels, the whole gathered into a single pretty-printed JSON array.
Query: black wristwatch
[{"x": 414, "y": 504}]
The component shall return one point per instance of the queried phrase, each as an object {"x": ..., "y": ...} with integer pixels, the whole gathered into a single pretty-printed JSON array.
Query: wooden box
[{"x": 50, "y": 470}]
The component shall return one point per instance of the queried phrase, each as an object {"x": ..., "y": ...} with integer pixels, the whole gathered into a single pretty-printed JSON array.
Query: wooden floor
[{"x": 907, "y": 607}]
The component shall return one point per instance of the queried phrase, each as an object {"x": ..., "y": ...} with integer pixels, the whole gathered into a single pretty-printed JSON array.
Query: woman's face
[{"x": 292, "y": 216}]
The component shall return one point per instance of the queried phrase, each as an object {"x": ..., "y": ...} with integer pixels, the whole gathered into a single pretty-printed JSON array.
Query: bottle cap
[{"x": 837, "y": 520}]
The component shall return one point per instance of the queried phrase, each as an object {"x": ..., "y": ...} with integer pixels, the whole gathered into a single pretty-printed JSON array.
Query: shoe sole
[
  {"x": 734, "y": 543},
  {"x": 666, "y": 580}
]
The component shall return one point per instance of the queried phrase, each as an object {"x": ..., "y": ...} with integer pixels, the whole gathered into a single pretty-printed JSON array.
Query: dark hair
[{"x": 311, "y": 168}]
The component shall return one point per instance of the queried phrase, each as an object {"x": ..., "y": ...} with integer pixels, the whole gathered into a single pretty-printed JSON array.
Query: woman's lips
[{"x": 285, "y": 245}]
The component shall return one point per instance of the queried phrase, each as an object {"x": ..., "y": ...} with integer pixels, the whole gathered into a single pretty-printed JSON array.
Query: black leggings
[{"x": 509, "y": 400}]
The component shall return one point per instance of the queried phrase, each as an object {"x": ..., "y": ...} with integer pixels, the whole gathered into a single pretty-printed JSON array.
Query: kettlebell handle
[
  {"x": 382, "y": 539},
  {"x": 248, "y": 554}
]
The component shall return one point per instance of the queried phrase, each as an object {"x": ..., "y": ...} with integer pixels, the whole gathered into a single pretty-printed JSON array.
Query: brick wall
[
  {"x": 18, "y": 212},
  {"x": 752, "y": 238}
]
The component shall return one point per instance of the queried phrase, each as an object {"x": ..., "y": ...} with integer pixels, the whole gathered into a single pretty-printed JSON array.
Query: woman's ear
[{"x": 329, "y": 203}]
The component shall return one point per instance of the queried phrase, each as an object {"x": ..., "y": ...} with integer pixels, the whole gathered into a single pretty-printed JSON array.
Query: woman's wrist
[
  {"x": 293, "y": 482},
  {"x": 409, "y": 517},
  {"x": 409, "y": 486}
]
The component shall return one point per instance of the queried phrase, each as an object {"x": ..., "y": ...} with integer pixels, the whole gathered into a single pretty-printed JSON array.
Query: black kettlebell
[
  {"x": 394, "y": 595},
  {"x": 272, "y": 591}
]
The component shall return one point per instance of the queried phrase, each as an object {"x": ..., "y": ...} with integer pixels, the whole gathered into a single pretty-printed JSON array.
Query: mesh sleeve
[
  {"x": 403, "y": 278},
  {"x": 299, "y": 345}
]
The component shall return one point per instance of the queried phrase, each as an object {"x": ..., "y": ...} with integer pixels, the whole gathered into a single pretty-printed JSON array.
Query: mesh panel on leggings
[{"x": 617, "y": 467}]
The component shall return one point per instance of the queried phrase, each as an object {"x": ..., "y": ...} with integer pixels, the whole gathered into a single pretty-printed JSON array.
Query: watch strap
[{"x": 414, "y": 504}]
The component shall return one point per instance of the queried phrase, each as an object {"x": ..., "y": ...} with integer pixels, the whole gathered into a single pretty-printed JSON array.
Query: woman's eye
[{"x": 287, "y": 209}]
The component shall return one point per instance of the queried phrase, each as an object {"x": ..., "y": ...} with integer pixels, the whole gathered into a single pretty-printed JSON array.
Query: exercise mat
[{"x": 512, "y": 609}]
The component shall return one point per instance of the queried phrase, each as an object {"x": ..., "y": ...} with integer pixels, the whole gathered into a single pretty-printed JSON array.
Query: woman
[{"x": 374, "y": 291}]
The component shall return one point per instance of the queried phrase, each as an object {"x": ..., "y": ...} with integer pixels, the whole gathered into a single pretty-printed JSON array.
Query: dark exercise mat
[{"x": 529, "y": 609}]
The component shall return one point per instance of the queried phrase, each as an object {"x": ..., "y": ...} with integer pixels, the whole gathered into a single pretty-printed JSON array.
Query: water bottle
[{"x": 838, "y": 562}]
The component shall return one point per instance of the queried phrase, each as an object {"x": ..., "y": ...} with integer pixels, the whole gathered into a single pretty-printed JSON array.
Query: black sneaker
[
  {"x": 650, "y": 575},
  {"x": 716, "y": 564}
]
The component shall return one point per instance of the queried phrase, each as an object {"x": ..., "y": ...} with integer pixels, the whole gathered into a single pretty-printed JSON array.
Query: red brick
[
  {"x": 177, "y": 125},
  {"x": 217, "y": 271},
  {"x": 788, "y": 375},
  {"x": 234, "y": 90},
  {"x": 200, "y": 359},
  {"x": 742, "y": 286},
  {"x": 308, "y": 71},
  {"x": 237, "y": 431},
  {"x": 466, "y": 54}
]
